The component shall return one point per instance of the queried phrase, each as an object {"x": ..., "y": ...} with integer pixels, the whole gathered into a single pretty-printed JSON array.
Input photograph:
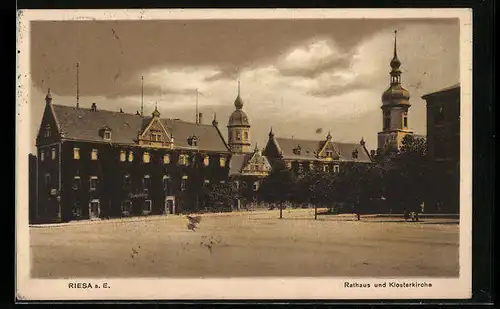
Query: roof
[
  {"x": 237, "y": 162},
  {"x": 310, "y": 149},
  {"x": 443, "y": 90},
  {"x": 84, "y": 124},
  {"x": 238, "y": 118}
]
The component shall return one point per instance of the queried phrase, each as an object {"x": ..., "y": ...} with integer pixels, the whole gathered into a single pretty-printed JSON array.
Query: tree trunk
[{"x": 281, "y": 210}]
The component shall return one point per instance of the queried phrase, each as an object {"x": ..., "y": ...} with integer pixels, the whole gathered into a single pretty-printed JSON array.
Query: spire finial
[
  {"x": 48, "y": 97},
  {"x": 238, "y": 103},
  {"x": 271, "y": 134},
  {"x": 239, "y": 86},
  {"x": 395, "y": 42}
]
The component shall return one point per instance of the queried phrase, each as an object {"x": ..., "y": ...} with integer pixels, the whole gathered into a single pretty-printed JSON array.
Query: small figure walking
[{"x": 358, "y": 217}]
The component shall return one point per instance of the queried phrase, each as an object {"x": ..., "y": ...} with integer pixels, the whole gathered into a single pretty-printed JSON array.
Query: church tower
[
  {"x": 238, "y": 128},
  {"x": 395, "y": 106}
]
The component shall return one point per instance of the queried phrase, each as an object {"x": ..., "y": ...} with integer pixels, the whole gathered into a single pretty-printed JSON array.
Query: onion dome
[{"x": 238, "y": 118}]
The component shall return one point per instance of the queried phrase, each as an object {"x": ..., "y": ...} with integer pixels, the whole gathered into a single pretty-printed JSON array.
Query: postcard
[{"x": 232, "y": 154}]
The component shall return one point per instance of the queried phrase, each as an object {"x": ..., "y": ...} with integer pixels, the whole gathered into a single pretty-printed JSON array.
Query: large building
[
  {"x": 99, "y": 163},
  {"x": 395, "y": 106},
  {"x": 443, "y": 147}
]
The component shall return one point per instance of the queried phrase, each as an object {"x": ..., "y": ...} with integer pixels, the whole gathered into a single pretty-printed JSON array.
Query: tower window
[
  {"x": 238, "y": 136},
  {"x": 355, "y": 154},
  {"x": 246, "y": 135}
]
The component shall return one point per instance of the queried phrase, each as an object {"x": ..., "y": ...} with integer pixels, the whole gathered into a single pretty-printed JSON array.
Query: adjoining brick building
[{"x": 443, "y": 147}]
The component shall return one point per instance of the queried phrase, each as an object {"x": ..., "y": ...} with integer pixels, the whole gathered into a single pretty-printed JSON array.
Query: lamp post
[{"x": 58, "y": 198}]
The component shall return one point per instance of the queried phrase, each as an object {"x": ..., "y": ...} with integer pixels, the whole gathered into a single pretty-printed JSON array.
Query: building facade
[
  {"x": 305, "y": 155},
  {"x": 97, "y": 163},
  {"x": 395, "y": 108},
  {"x": 443, "y": 147}
]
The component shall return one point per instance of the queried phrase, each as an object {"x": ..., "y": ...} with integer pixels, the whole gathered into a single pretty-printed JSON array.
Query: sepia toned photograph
[{"x": 192, "y": 146}]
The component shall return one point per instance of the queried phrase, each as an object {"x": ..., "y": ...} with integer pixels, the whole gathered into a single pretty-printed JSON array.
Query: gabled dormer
[
  {"x": 328, "y": 150},
  {"x": 49, "y": 131},
  {"x": 154, "y": 133},
  {"x": 257, "y": 164},
  {"x": 105, "y": 133}
]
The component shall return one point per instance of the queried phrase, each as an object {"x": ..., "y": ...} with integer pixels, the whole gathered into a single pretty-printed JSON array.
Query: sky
[{"x": 302, "y": 77}]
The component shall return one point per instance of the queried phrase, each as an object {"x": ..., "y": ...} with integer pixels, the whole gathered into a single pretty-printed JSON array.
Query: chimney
[
  {"x": 200, "y": 118},
  {"x": 93, "y": 107}
]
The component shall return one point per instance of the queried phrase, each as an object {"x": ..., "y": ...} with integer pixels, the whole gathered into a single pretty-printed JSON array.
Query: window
[
  {"x": 145, "y": 157},
  {"x": 127, "y": 182},
  {"x": 53, "y": 151},
  {"x": 166, "y": 159},
  {"x": 130, "y": 156},
  {"x": 405, "y": 119},
  {"x": 166, "y": 183},
  {"x": 206, "y": 160},
  {"x": 123, "y": 155},
  {"x": 325, "y": 167},
  {"x": 355, "y": 154},
  {"x": 42, "y": 155},
  {"x": 329, "y": 153},
  {"x": 147, "y": 207},
  {"x": 246, "y": 135},
  {"x": 184, "y": 183},
  {"x": 47, "y": 181},
  {"x": 77, "y": 183},
  {"x": 255, "y": 186},
  {"x": 107, "y": 135},
  {"x": 146, "y": 183},
  {"x": 76, "y": 210},
  {"x": 297, "y": 150},
  {"x": 93, "y": 183},
  {"x": 336, "y": 168},
  {"x": 155, "y": 137},
  {"x": 47, "y": 131},
  {"x": 76, "y": 153},
  {"x": 93, "y": 155},
  {"x": 183, "y": 159},
  {"x": 387, "y": 120},
  {"x": 126, "y": 207},
  {"x": 439, "y": 116},
  {"x": 222, "y": 161},
  {"x": 238, "y": 136}
]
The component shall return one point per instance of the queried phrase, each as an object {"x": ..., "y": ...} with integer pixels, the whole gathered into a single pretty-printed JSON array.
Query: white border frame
[{"x": 238, "y": 288}]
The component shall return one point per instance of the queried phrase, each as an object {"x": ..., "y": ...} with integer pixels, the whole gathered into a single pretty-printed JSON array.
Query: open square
[{"x": 247, "y": 244}]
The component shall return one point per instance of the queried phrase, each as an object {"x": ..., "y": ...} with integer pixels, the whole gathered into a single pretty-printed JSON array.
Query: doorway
[
  {"x": 170, "y": 205},
  {"x": 94, "y": 209}
]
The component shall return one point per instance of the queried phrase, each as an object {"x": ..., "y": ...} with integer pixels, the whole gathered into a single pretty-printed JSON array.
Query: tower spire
[
  {"x": 239, "y": 86},
  {"x": 77, "y": 85},
  {"x": 142, "y": 95},
  {"x": 395, "y": 43}
]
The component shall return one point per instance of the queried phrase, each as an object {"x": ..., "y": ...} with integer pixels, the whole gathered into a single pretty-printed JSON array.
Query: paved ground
[{"x": 247, "y": 244}]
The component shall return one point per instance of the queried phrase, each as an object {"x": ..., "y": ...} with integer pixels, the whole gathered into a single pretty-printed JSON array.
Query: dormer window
[
  {"x": 107, "y": 135},
  {"x": 193, "y": 141},
  {"x": 47, "y": 131},
  {"x": 155, "y": 137},
  {"x": 329, "y": 154},
  {"x": 355, "y": 154},
  {"x": 296, "y": 150}
]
